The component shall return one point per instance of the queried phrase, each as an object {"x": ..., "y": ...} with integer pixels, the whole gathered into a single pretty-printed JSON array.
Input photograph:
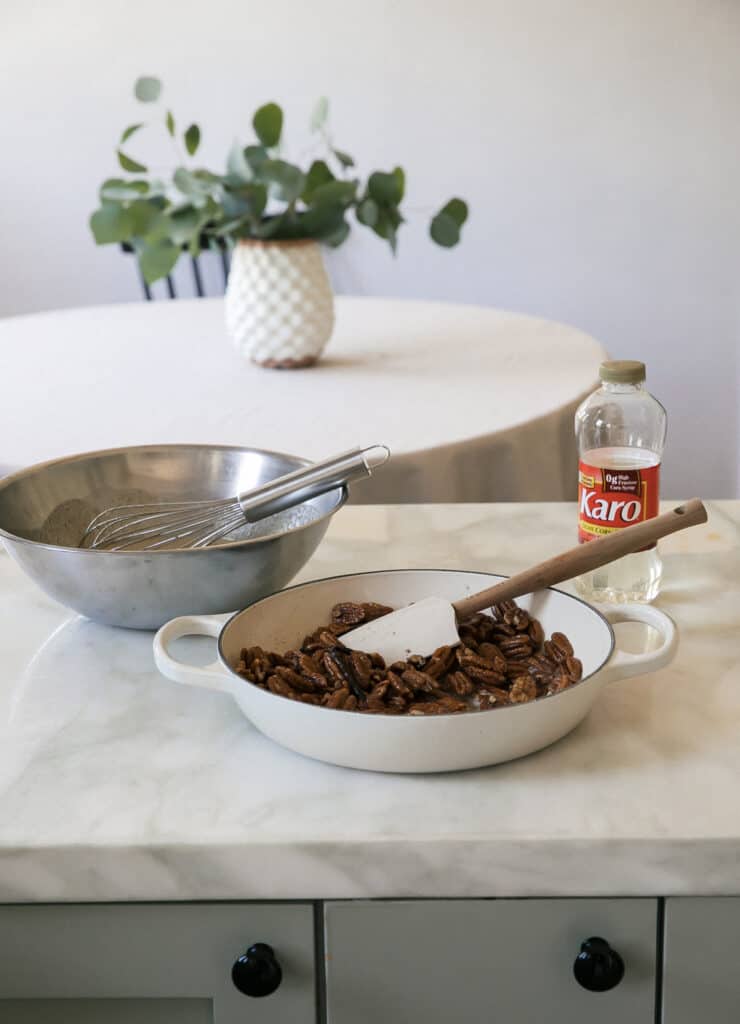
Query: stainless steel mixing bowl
[{"x": 44, "y": 511}]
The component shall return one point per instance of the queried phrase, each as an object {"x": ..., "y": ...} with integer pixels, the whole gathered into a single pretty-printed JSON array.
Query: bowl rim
[
  {"x": 13, "y": 478},
  {"x": 413, "y": 718}
]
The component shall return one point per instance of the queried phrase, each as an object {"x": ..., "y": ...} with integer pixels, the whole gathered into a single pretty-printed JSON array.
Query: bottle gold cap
[{"x": 622, "y": 371}]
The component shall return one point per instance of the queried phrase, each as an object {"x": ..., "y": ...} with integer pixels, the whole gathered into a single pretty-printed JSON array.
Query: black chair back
[{"x": 195, "y": 267}]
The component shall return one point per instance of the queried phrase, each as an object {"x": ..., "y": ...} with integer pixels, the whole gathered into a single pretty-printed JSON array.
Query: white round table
[{"x": 475, "y": 404}]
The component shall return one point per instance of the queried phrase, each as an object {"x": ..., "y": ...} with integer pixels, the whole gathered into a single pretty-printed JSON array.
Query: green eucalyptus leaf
[
  {"x": 249, "y": 199},
  {"x": 147, "y": 220},
  {"x": 184, "y": 181},
  {"x": 236, "y": 164},
  {"x": 197, "y": 186},
  {"x": 133, "y": 166},
  {"x": 342, "y": 192},
  {"x": 335, "y": 238},
  {"x": 382, "y": 224},
  {"x": 321, "y": 221},
  {"x": 289, "y": 180},
  {"x": 257, "y": 199},
  {"x": 268, "y": 124},
  {"x": 147, "y": 89},
  {"x": 192, "y": 139},
  {"x": 256, "y": 157},
  {"x": 119, "y": 189},
  {"x": 318, "y": 174},
  {"x": 368, "y": 212},
  {"x": 270, "y": 228},
  {"x": 207, "y": 177},
  {"x": 344, "y": 158},
  {"x": 213, "y": 206},
  {"x": 234, "y": 203},
  {"x": 457, "y": 209},
  {"x": 128, "y": 132},
  {"x": 385, "y": 227},
  {"x": 156, "y": 188},
  {"x": 158, "y": 229},
  {"x": 319, "y": 114},
  {"x": 157, "y": 260},
  {"x": 111, "y": 223},
  {"x": 233, "y": 227},
  {"x": 385, "y": 189},
  {"x": 233, "y": 183},
  {"x": 400, "y": 177},
  {"x": 185, "y": 223},
  {"x": 170, "y": 122},
  {"x": 394, "y": 216},
  {"x": 444, "y": 230}
]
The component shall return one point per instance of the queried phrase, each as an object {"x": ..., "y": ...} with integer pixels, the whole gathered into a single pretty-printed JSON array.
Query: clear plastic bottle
[{"x": 621, "y": 431}]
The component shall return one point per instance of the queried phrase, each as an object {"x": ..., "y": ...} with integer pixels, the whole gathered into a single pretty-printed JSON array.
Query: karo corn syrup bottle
[{"x": 621, "y": 431}]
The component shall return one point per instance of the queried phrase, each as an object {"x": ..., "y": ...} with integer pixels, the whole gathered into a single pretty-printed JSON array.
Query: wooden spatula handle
[{"x": 585, "y": 557}]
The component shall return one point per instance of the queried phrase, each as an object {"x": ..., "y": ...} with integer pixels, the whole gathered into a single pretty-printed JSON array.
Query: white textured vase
[{"x": 279, "y": 302}]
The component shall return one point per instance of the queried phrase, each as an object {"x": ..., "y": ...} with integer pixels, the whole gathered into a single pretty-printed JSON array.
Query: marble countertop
[{"x": 116, "y": 784}]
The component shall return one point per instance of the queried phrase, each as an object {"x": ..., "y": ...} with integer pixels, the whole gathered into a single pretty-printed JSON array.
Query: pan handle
[
  {"x": 624, "y": 664},
  {"x": 213, "y": 676}
]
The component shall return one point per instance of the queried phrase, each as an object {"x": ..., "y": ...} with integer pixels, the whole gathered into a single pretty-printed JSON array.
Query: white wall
[{"x": 598, "y": 142}]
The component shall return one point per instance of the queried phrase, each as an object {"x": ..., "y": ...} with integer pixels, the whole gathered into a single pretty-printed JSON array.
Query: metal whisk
[{"x": 195, "y": 524}]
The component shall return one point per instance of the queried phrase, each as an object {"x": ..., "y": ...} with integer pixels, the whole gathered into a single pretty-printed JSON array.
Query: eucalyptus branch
[{"x": 162, "y": 219}]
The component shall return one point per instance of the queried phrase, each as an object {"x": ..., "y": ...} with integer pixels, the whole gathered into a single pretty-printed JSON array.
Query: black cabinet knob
[
  {"x": 598, "y": 967},
  {"x": 257, "y": 972}
]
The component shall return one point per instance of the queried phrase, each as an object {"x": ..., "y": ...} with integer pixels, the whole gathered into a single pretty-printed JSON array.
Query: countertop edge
[{"x": 447, "y": 869}]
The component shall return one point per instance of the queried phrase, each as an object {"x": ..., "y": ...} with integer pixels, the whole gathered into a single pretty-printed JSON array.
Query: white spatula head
[
  {"x": 418, "y": 628},
  {"x": 422, "y": 627}
]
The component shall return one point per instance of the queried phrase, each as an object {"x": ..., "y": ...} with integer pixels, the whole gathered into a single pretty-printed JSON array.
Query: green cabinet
[
  {"x": 485, "y": 961},
  {"x": 151, "y": 963}
]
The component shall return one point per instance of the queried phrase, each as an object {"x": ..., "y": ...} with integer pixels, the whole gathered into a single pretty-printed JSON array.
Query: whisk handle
[{"x": 311, "y": 481}]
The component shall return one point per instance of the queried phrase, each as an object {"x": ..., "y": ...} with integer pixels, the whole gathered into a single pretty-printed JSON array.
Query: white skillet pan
[{"x": 411, "y": 744}]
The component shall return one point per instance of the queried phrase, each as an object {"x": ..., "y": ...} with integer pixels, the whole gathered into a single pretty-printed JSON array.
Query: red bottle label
[{"x": 610, "y": 499}]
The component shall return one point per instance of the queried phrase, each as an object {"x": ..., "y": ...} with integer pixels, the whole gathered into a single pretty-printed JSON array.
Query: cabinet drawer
[
  {"x": 701, "y": 978},
  {"x": 485, "y": 961},
  {"x": 151, "y": 963}
]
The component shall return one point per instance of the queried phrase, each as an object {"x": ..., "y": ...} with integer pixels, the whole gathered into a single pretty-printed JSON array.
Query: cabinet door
[
  {"x": 151, "y": 963},
  {"x": 701, "y": 980},
  {"x": 485, "y": 961}
]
